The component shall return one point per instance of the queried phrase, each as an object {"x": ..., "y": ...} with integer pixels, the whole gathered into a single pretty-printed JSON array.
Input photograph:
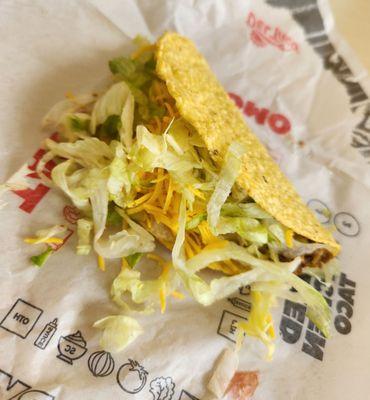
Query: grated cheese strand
[
  {"x": 289, "y": 238},
  {"x": 51, "y": 240},
  {"x": 101, "y": 263}
]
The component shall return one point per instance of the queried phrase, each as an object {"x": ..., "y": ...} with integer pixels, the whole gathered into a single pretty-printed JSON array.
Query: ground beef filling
[{"x": 316, "y": 259}]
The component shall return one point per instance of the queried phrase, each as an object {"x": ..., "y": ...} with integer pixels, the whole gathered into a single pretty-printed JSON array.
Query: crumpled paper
[{"x": 306, "y": 97}]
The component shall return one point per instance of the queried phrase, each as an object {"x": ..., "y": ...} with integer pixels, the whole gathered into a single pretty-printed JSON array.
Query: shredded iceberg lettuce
[
  {"x": 227, "y": 177},
  {"x": 49, "y": 237},
  {"x": 118, "y": 332},
  {"x": 133, "y": 259},
  {"x": 41, "y": 258},
  {"x": 326, "y": 274},
  {"x": 131, "y": 292},
  {"x": 70, "y": 117},
  {"x": 117, "y": 102},
  {"x": 53, "y": 232},
  {"x": 260, "y": 323},
  {"x": 84, "y": 229},
  {"x": 120, "y": 244},
  {"x": 261, "y": 271},
  {"x": 178, "y": 255}
]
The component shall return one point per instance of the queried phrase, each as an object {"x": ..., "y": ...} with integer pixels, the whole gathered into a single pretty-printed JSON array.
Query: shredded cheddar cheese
[
  {"x": 271, "y": 329},
  {"x": 140, "y": 200},
  {"x": 51, "y": 240},
  {"x": 164, "y": 177},
  {"x": 177, "y": 295},
  {"x": 205, "y": 233},
  {"x": 124, "y": 263},
  {"x": 162, "y": 292},
  {"x": 289, "y": 238},
  {"x": 169, "y": 195},
  {"x": 170, "y": 110},
  {"x": 101, "y": 263},
  {"x": 188, "y": 250},
  {"x": 196, "y": 192},
  {"x": 143, "y": 49},
  {"x": 135, "y": 210},
  {"x": 162, "y": 298}
]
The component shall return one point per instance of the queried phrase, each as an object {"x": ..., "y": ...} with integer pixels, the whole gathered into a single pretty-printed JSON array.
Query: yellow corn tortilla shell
[{"x": 203, "y": 102}]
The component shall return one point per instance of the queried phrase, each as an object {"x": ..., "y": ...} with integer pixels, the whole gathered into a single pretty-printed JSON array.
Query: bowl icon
[{"x": 71, "y": 347}]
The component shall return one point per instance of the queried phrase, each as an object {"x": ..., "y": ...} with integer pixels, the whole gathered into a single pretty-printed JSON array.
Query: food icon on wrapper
[
  {"x": 162, "y": 388},
  {"x": 185, "y": 395},
  {"x": 71, "y": 214},
  {"x": 347, "y": 224},
  {"x": 321, "y": 210},
  {"x": 71, "y": 347},
  {"x": 101, "y": 363},
  {"x": 240, "y": 303},
  {"x": 46, "y": 334},
  {"x": 132, "y": 377},
  {"x": 21, "y": 318}
]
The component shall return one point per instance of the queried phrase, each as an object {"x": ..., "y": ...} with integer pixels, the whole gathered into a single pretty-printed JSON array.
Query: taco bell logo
[{"x": 262, "y": 34}]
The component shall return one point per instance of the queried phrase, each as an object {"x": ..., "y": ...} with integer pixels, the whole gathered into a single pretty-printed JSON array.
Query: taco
[{"x": 164, "y": 153}]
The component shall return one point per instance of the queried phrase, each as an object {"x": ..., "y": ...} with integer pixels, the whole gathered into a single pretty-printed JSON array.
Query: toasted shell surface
[{"x": 203, "y": 102}]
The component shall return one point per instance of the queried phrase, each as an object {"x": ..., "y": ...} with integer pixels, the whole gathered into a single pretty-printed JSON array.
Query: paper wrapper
[{"x": 305, "y": 96}]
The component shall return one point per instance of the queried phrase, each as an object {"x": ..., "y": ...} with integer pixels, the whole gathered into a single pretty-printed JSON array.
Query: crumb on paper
[{"x": 242, "y": 385}]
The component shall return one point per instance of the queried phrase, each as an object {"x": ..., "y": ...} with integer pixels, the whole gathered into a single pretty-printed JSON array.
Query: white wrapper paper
[{"x": 305, "y": 96}]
